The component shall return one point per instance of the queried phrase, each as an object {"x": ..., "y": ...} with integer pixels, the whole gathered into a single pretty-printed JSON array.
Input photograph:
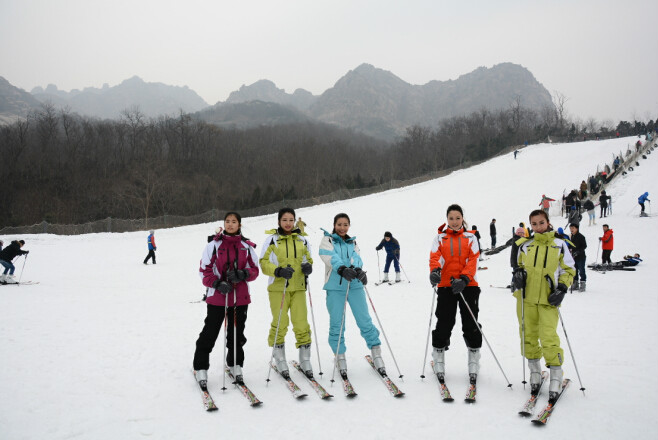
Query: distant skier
[
  {"x": 515, "y": 153},
  {"x": 475, "y": 231},
  {"x": 546, "y": 203},
  {"x": 6, "y": 255},
  {"x": 545, "y": 269},
  {"x": 492, "y": 232},
  {"x": 589, "y": 207},
  {"x": 343, "y": 271},
  {"x": 300, "y": 225},
  {"x": 574, "y": 216},
  {"x": 150, "y": 241},
  {"x": 453, "y": 270},
  {"x": 603, "y": 202},
  {"x": 579, "y": 257},
  {"x": 392, "y": 248},
  {"x": 641, "y": 200},
  {"x": 607, "y": 244},
  {"x": 228, "y": 263}
]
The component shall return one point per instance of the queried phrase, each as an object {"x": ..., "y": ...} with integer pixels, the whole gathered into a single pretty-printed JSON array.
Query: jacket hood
[
  {"x": 279, "y": 231},
  {"x": 335, "y": 236}
]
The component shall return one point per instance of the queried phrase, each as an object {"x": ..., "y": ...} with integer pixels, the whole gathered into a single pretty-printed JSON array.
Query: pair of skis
[
  {"x": 209, "y": 403},
  {"x": 22, "y": 283},
  {"x": 471, "y": 392},
  {"x": 390, "y": 282},
  {"x": 545, "y": 414}
]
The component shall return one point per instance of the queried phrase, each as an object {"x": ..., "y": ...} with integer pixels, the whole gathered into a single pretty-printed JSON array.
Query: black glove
[
  {"x": 459, "y": 284},
  {"x": 361, "y": 276},
  {"x": 518, "y": 278},
  {"x": 555, "y": 298},
  {"x": 284, "y": 272},
  {"x": 347, "y": 272},
  {"x": 307, "y": 268},
  {"x": 435, "y": 276},
  {"x": 235, "y": 276},
  {"x": 575, "y": 254},
  {"x": 222, "y": 287}
]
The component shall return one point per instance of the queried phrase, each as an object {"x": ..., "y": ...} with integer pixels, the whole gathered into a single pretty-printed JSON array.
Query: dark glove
[
  {"x": 347, "y": 272},
  {"x": 235, "y": 276},
  {"x": 555, "y": 298},
  {"x": 307, "y": 268},
  {"x": 575, "y": 254},
  {"x": 518, "y": 278},
  {"x": 155, "y": 249},
  {"x": 222, "y": 287},
  {"x": 435, "y": 276},
  {"x": 361, "y": 276},
  {"x": 284, "y": 272},
  {"x": 459, "y": 284}
]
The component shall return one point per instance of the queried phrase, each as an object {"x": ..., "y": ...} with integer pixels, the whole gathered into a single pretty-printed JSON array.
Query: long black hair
[
  {"x": 338, "y": 217},
  {"x": 456, "y": 207}
]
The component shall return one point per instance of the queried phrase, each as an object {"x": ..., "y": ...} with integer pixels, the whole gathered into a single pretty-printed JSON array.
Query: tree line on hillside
[{"x": 62, "y": 168}]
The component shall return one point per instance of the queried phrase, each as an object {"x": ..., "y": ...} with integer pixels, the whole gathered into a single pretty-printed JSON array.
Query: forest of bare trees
[{"x": 63, "y": 168}]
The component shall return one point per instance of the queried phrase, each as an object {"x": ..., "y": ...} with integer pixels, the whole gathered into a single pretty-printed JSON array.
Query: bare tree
[{"x": 560, "y": 101}]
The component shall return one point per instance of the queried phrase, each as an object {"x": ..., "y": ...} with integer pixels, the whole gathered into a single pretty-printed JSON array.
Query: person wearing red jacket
[
  {"x": 607, "y": 244},
  {"x": 228, "y": 263},
  {"x": 453, "y": 270}
]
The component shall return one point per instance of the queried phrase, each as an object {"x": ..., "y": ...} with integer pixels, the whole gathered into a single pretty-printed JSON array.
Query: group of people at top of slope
[{"x": 229, "y": 263}]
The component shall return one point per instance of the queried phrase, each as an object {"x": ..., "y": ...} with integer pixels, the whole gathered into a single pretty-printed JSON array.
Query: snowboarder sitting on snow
[
  {"x": 392, "y": 248},
  {"x": 8, "y": 254}
]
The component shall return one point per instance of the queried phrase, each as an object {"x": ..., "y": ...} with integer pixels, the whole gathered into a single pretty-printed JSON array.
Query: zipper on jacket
[
  {"x": 545, "y": 257},
  {"x": 287, "y": 254},
  {"x": 294, "y": 248},
  {"x": 536, "y": 253}
]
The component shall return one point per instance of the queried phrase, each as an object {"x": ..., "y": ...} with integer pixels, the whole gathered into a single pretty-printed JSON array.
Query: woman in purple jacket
[{"x": 228, "y": 263}]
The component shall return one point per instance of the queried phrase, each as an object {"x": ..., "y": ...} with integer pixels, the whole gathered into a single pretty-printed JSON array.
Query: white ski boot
[
  {"x": 438, "y": 356},
  {"x": 385, "y": 280},
  {"x": 397, "y": 277},
  {"x": 236, "y": 371},
  {"x": 535, "y": 374},
  {"x": 2, "y": 278},
  {"x": 377, "y": 358},
  {"x": 10, "y": 279},
  {"x": 280, "y": 359},
  {"x": 201, "y": 377},
  {"x": 305, "y": 360},
  {"x": 473, "y": 364},
  {"x": 341, "y": 364},
  {"x": 556, "y": 383}
]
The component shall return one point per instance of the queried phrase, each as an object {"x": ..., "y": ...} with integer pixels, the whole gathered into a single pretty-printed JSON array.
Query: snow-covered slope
[{"x": 102, "y": 347}]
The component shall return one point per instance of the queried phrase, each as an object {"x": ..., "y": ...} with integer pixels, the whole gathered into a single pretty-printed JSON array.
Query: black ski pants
[
  {"x": 606, "y": 256},
  {"x": 446, "y": 313},
  {"x": 150, "y": 255},
  {"x": 211, "y": 328}
]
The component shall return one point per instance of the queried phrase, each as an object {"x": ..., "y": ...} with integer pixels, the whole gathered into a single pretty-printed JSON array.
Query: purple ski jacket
[{"x": 223, "y": 253}]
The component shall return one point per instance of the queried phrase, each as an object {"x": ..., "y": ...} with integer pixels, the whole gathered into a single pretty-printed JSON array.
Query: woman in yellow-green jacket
[
  {"x": 286, "y": 258},
  {"x": 545, "y": 269}
]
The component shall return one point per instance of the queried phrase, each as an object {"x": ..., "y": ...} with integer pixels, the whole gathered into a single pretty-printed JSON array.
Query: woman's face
[
  {"x": 231, "y": 224},
  {"x": 342, "y": 226},
  {"x": 287, "y": 222},
  {"x": 539, "y": 224},
  {"x": 455, "y": 220}
]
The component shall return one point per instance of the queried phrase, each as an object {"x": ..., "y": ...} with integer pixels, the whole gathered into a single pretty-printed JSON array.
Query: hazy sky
[{"x": 602, "y": 55}]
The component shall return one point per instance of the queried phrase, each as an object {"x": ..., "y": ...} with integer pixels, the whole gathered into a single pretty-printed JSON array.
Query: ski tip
[
  {"x": 422, "y": 376},
  {"x": 538, "y": 422}
]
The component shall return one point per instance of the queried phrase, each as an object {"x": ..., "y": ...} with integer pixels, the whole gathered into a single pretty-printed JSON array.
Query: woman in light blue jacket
[{"x": 344, "y": 281}]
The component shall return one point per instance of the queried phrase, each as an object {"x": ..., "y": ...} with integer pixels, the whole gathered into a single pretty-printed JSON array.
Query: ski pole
[
  {"x": 564, "y": 329},
  {"x": 379, "y": 269},
  {"x": 402, "y": 267},
  {"x": 235, "y": 332},
  {"x": 276, "y": 334},
  {"x": 22, "y": 269},
  {"x": 340, "y": 334},
  {"x": 317, "y": 347},
  {"x": 523, "y": 335},
  {"x": 597, "y": 252},
  {"x": 485, "y": 338},
  {"x": 383, "y": 332},
  {"x": 225, "y": 339},
  {"x": 429, "y": 330}
]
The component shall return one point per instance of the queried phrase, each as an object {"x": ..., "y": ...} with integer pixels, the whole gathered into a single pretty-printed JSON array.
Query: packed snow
[{"x": 102, "y": 347}]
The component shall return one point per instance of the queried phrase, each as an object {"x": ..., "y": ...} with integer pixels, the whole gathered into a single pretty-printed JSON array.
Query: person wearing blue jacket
[
  {"x": 643, "y": 198},
  {"x": 392, "y": 248},
  {"x": 152, "y": 248},
  {"x": 344, "y": 281}
]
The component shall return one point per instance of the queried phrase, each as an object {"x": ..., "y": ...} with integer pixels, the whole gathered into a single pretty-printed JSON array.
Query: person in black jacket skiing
[
  {"x": 579, "y": 257},
  {"x": 589, "y": 207},
  {"x": 492, "y": 232},
  {"x": 8, "y": 254},
  {"x": 392, "y": 248}
]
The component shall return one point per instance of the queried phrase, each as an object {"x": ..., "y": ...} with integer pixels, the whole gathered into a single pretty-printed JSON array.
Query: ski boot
[
  {"x": 473, "y": 364},
  {"x": 575, "y": 286},
  {"x": 535, "y": 375},
  {"x": 341, "y": 364},
  {"x": 438, "y": 356},
  {"x": 385, "y": 280},
  {"x": 201, "y": 377},
  {"x": 10, "y": 279},
  {"x": 397, "y": 277},
  {"x": 583, "y": 285},
  {"x": 236, "y": 371},
  {"x": 280, "y": 359},
  {"x": 555, "y": 386},
  {"x": 305, "y": 360},
  {"x": 377, "y": 359}
]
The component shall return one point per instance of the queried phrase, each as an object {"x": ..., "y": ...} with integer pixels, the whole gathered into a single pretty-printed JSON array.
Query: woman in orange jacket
[{"x": 453, "y": 270}]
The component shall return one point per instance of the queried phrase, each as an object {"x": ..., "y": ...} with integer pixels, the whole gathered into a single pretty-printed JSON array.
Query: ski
[
  {"x": 470, "y": 393},
  {"x": 208, "y": 403},
  {"x": 445, "y": 392},
  {"x": 500, "y": 287},
  {"x": 348, "y": 389},
  {"x": 297, "y": 393},
  {"x": 381, "y": 282},
  {"x": 392, "y": 283},
  {"x": 545, "y": 414},
  {"x": 483, "y": 268},
  {"x": 246, "y": 392},
  {"x": 314, "y": 383},
  {"x": 395, "y": 391},
  {"x": 24, "y": 283},
  {"x": 528, "y": 408}
]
